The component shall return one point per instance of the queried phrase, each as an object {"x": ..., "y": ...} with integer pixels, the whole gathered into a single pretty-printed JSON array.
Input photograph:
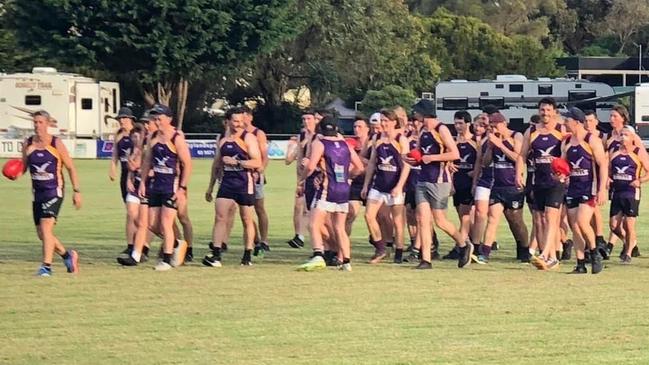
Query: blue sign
[
  {"x": 202, "y": 148},
  {"x": 104, "y": 148}
]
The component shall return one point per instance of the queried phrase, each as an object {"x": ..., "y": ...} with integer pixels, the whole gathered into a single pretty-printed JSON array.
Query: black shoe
[
  {"x": 434, "y": 255},
  {"x": 334, "y": 262},
  {"x": 453, "y": 254},
  {"x": 596, "y": 262},
  {"x": 623, "y": 252},
  {"x": 212, "y": 261},
  {"x": 144, "y": 258},
  {"x": 587, "y": 256},
  {"x": 258, "y": 248},
  {"x": 224, "y": 247},
  {"x": 625, "y": 260},
  {"x": 424, "y": 266},
  {"x": 579, "y": 269},
  {"x": 127, "y": 261},
  {"x": 494, "y": 246},
  {"x": 189, "y": 255},
  {"x": 295, "y": 242},
  {"x": 609, "y": 251},
  {"x": 635, "y": 252},
  {"x": 246, "y": 263},
  {"x": 399, "y": 260},
  {"x": 465, "y": 255},
  {"x": 265, "y": 246},
  {"x": 567, "y": 250}
]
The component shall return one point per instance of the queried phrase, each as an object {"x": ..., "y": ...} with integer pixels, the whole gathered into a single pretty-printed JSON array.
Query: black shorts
[
  {"x": 627, "y": 206},
  {"x": 46, "y": 209},
  {"x": 122, "y": 184},
  {"x": 549, "y": 197},
  {"x": 573, "y": 202},
  {"x": 510, "y": 197},
  {"x": 167, "y": 200},
  {"x": 411, "y": 200},
  {"x": 462, "y": 197},
  {"x": 355, "y": 193},
  {"x": 241, "y": 198},
  {"x": 529, "y": 197}
]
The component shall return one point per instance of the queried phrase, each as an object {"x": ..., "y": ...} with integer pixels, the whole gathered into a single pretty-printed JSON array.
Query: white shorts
[
  {"x": 130, "y": 198},
  {"x": 259, "y": 191},
  {"x": 482, "y": 193},
  {"x": 386, "y": 198},
  {"x": 331, "y": 207}
]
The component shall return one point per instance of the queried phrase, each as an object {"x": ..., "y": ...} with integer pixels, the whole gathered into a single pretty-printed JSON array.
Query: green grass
[{"x": 502, "y": 313}]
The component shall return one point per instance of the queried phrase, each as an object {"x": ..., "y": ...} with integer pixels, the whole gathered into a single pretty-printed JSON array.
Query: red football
[
  {"x": 352, "y": 142},
  {"x": 13, "y": 169},
  {"x": 415, "y": 154},
  {"x": 560, "y": 167}
]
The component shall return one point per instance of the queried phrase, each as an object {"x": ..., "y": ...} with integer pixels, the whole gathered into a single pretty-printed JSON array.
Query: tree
[
  {"x": 345, "y": 47},
  {"x": 165, "y": 44},
  {"x": 470, "y": 49},
  {"x": 626, "y": 19},
  {"x": 389, "y": 96}
]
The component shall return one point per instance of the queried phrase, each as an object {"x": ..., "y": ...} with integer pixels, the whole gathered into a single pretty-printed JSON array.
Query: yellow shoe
[
  {"x": 539, "y": 262},
  {"x": 315, "y": 263}
]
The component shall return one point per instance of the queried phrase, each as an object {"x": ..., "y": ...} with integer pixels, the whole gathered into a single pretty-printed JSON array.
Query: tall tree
[
  {"x": 626, "y": 19},
  {"x": 166, "y": 44}
]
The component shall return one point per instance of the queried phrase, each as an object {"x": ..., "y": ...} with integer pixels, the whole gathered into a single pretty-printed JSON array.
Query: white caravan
[{"x": 81, "y": 106}]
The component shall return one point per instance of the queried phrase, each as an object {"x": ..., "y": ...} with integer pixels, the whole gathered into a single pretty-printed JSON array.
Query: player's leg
[
  {"x": 316, "y": 225},
  {"x": 493, "y": 219},
  {"x": 399, "y": 219}
]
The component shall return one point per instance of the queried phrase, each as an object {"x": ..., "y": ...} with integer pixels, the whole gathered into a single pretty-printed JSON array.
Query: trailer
[
  {"x": 517, "y": 97},
  {"x": 81, "y": 106}
]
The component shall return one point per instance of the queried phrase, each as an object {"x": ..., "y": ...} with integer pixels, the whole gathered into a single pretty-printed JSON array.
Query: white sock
[
  {"x": 301, "y": 237},
  {"x": 136, "y": 255}
]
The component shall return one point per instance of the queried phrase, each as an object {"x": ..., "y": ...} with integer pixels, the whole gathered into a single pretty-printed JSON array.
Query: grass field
[{"x": 502, "y": 313}]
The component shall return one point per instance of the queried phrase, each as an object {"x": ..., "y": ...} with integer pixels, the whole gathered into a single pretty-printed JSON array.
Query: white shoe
[
  {"x": 162, "y": 266},
  {"x": 346, "y": 267}
]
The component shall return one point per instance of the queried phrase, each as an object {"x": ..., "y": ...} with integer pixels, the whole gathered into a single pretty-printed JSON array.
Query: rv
[
  {"x": 517, "y": 97},
  {"x": 81, "y": 106}
]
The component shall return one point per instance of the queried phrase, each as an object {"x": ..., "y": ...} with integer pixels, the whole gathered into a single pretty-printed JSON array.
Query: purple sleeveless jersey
[
  {"x": 236, "y": 179},
  {"x": 335, "y": 165},
  {"x": 124, "y": 148},
  {"x": 504, "y": 168},
  {"x": 583, "y": 181},
  {"x": 625, "y": 167},
  {"x": 413, "y": 176},
  {"x": 45, "y": 169},
  {"x": 544, "y": 148},
  {"x": 165, "y": 161},
  {"x": 430, "y": 143},
  {"x": 486, "y": 179},
  {"x": 468, "y": 155},
  {"x": 388, "y": 165}
]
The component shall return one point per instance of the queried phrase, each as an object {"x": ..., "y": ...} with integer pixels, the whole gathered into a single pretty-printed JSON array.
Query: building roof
[{"x": 601, "y": 63}]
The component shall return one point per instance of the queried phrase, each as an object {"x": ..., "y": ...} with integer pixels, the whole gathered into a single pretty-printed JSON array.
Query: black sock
[
  {"x": 246, "y": 255},
  {"x": 328, "y": 255},
  {"x": 317, "y": 253},
  {"x": 389, "y": 243},
  {"x": 145, "y": 251},
  {"x": 46, "y": 264},
  {"x": 581, "y": 262},
  {"x": 398, "y": 253},
  {"x": 129, "y": 249},
  {"x": 216, "y": 252},
  {"x": 190, "y": 251},
  {"x": 65, "y": 256},
  {"x": 166, "y": 257},
  {"x": 346, "y": 260}
]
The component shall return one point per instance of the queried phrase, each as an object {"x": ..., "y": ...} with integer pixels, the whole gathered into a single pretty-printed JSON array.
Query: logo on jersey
[
  {"x": 124, "y": 155},
  {"x": 426, "y": 150},
  {"x": 161, "y": 166},
  {"x": 41, "y": 174},
  {"x": 577, "y": 170},
  {"x": 546, "y": 155},
  {"x": 621, "y": 174},
  {"x": 464, "y": 164},
  {"x": 502, "y": 162},
  {"x": 387, "y": 164}
]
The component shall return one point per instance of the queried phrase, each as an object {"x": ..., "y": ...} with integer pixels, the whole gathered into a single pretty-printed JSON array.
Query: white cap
[{"x": 375, "y": 118}]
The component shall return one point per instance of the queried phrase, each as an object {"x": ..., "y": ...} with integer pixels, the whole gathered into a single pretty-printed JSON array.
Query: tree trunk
[
  {"x": 164, "y": 93},
  {"x": 181, "y": 101}
]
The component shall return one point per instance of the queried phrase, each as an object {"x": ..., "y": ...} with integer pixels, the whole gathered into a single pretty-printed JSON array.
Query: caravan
[
  {"x": 517, "y": 96},
  {"x": 82, "y": 106}
]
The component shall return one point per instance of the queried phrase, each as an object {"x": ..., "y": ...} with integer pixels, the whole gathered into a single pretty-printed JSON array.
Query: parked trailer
[{"x": 82, "y": 107}]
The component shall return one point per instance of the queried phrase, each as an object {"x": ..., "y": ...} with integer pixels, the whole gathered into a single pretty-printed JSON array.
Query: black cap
[
  {"x": 328, "y": 127},
  {"x": 161, "y": 109},
  {"x": 125, "y": 112},
  {"x": 425, "y": 107},
  {"x": 574, "y": 113}
]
